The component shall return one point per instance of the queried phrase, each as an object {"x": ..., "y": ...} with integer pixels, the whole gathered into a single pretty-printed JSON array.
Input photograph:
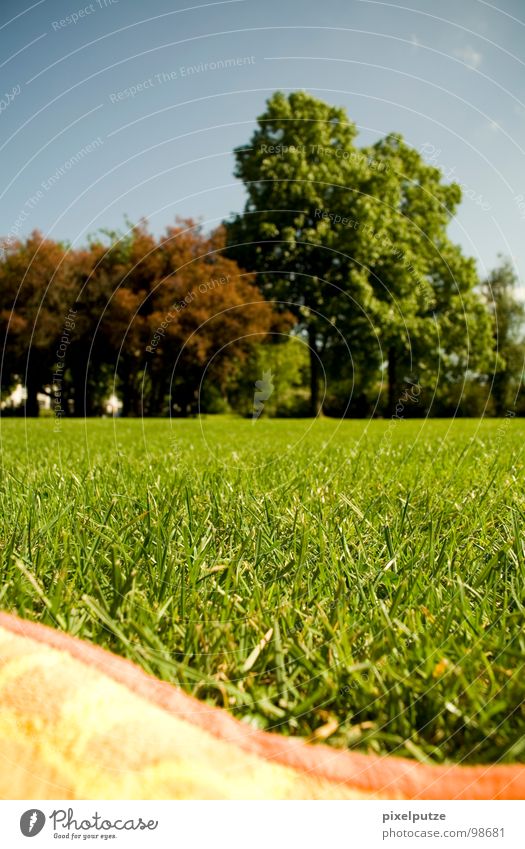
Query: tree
[
  {"x": 33, "y": 311},
  {"x": 135, "y": 264},
  {"x": 202, "y": 312},
  {"x": 303, "y": 175},
  {"x": 426, "y": 303},
  {"x": 92, "y": 274},
  {"x": 507, "y": 315},
  {"x": 287, "y": 361},
  {"x": 131, "y": 308},
  {"x": 355, "y": 241}
]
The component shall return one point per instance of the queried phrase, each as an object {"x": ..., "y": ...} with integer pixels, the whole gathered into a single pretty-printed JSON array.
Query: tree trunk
[
  {"x": 84, "y": 404},
  {"x": 128, "y": 398},
  {"x": 315, "y": 401},
  {"x": 32, "y": 407},
  {"x": 392, "y": 381},
  {"x": 79, "y": 393},
  {"x": 500, "y": 392},
  {"x": 156, "y": 407},
  {"x": 132, "y": 401}
]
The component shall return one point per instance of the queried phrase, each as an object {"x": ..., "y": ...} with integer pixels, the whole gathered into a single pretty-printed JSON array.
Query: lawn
[{"x": 360, "y": 583}]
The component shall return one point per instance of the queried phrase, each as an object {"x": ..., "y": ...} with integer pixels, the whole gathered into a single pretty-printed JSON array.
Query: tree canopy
[
  {"x": 355, "y": 241},
  {"x": 339, "y": 279},
  {"x": 129, "y": 314}
]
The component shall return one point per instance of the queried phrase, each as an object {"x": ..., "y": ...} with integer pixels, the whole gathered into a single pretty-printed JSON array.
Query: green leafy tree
[
  {"x": 355, "y": 241},
  {"x": 433, "y": 323},
  {"x": 507, "y": 315},
  {"x": 302, "y": 172},
  {"x": 287, "y": 361}
]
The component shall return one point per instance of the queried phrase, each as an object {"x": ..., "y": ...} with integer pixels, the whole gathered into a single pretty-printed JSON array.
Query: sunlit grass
[{"x": 378, "y": 567}]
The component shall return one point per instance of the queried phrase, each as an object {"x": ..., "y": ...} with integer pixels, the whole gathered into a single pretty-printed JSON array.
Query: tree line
[{"x": 338, "y": 279}]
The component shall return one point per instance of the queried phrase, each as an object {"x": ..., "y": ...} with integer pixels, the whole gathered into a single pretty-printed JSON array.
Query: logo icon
[
  {"x": 263, "y": 390},
  {"x": 32, "y": 822}
]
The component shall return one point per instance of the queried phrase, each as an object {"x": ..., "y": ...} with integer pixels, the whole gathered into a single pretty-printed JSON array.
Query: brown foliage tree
[{"x": 130, "y": 311}]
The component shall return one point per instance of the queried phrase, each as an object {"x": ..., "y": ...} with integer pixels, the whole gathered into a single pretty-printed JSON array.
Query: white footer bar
[{"x": 263, "y": 825}]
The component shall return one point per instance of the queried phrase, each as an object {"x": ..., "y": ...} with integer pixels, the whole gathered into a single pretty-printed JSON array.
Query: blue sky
[{"x": 450, "y": 77}]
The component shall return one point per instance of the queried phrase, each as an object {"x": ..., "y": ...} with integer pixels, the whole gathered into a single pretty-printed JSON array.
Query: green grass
[{"x": 384, "y": 562}]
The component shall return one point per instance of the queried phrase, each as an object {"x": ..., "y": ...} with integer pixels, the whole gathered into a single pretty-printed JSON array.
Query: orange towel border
[{"x": 387, "y": 776}]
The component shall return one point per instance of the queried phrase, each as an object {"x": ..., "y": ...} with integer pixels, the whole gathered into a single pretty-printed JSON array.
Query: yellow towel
[{"x": 77, "y": 722}]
